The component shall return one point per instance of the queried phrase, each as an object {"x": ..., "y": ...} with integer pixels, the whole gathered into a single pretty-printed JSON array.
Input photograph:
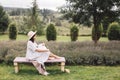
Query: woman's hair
[{"x": 32, "y": 39}]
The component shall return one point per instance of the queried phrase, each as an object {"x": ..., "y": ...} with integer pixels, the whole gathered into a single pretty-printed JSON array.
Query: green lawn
[
  {"x": 59, "y": 38},
  {"x": 28, "y": 72}
]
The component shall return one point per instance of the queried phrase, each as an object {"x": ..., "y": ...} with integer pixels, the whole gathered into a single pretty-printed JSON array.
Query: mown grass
[
  {"x": 28, "y": 72},
  {"x": 59, "y": 38}
]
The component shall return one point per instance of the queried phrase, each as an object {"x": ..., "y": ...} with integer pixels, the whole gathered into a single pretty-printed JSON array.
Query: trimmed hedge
[
  {"x": 80, "y": 53},
  {"x": 51, "y": 33},
  {"x": 114, "y": 31},
  {"x": 12, "y": 31},
  {"x": 98, "y": 33},
  {"x": 74, "y": 33}
]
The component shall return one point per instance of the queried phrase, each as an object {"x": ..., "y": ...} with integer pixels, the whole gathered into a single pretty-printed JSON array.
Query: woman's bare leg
[{"x": 54, "y": 56}]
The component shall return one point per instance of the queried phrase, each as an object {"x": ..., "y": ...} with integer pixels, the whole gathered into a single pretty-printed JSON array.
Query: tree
[
  {"x": 34, "y": 14},
  {"x": 74, "y": 31},
  {"x": 114, "y": 31},
  {"x": 106, "y": 21},
  {"x": 34, "y": 19},
  {"x": 51, "y": 33},
  {"x": 4, "y": 20},
  {"x": 91, "y": 11},
  {"x": 12, "y": 31},
  {"x": 99, "y": 32},
  {"x": 47, "y": 15}
]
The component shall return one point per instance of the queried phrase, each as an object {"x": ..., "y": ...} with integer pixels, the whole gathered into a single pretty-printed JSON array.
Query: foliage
[
  {"x": 74, "y": 33},
  {"x": 58, "y": 23},
  {"x": 51, "y": 33},
  {"x": 47, "y": 14},
  {"x": 12, "y": 31},
  {"x": 80, "y": 53},
  {"x": 114, "y": 31},
  {"x": 106, "y": 21},
  {"x": 4, "y": 20},
  {"x": 34, "y": 15},
  {"x": 91, "y": 11},
  {"x": 99, "y": 33},
  {"x": 21, "y": 23},
  {"x": 40, "y": 30},
  {"x": 17, "y": 11},
  {"x": 34, "y": 21},
  {"x": 11, "y": 49}
]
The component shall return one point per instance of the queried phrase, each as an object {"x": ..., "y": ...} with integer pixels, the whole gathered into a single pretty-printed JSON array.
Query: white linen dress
[{"x": 31, "y": 54}]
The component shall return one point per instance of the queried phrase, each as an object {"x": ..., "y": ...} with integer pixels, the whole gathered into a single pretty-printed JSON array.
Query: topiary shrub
[
  {"x": 12, "y": 31},
  {"x": 74, "y": 33},
  {"x": 96, "y": 36},
  {"x": 51, "y": 32},
  {"x": 114, "y": 31}
]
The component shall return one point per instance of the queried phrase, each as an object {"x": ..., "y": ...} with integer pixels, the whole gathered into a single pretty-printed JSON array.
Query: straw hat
[{"x": 31, "y": 34}]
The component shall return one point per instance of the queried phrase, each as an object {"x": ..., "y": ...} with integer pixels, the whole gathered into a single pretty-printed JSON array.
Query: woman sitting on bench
[{"x": 38, "y": 53}]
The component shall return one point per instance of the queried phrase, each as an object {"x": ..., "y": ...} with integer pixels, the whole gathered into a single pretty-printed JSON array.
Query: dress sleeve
[{"x": 32, "y": 46}]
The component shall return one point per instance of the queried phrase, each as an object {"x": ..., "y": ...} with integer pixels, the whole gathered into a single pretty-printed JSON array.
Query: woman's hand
[
  {"x": 43, "y": 44},
  {"x": 47, "y": 50}
]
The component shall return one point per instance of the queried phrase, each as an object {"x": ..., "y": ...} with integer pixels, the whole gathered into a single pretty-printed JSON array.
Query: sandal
[{"x": 45, "y": 73}]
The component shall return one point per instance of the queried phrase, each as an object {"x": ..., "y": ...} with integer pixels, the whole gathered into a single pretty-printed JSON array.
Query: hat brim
[{"x": 32, "y": 35}]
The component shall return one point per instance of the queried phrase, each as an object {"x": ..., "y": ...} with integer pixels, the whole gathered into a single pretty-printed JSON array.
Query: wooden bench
[{"x": 18, "y": 60}]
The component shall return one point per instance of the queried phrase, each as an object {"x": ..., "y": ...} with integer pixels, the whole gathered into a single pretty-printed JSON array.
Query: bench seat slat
[{"x": 24, "y": 60}]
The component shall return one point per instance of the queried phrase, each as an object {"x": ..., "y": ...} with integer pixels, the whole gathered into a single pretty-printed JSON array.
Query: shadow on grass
[
  {"x": 55, "y": 72},
  {"x": 27, "y": 72}
]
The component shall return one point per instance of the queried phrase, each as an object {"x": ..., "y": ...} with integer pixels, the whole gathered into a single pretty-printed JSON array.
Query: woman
[{"x": 38, "y": 53}]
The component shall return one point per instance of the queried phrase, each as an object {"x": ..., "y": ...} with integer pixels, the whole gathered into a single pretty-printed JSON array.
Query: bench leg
[
  {"x": 16, "y": 67},
  {"x": 62, "y": 66}
]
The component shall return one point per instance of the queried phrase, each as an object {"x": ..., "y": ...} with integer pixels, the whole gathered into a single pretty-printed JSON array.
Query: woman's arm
[
  {"x": 33, "y": 47},
  {"x": 39, "y": 50}
]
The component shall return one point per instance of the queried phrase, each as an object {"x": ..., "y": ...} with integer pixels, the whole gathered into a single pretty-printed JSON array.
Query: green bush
[
  {"x": 12, "y": 31},
  {"x": 74, "y": 33},
  {"x": 4, "y": 20},
  {"x": 80, "y": 53},
  {"x": 98, "y": 34},
  {"x": 114, "y": 31},
  {"x": 3, "y": 52},
  {"x": 10, "y": 49},
  {"x": 51, "y": 33},
  {"x": 40, "y": 30}
]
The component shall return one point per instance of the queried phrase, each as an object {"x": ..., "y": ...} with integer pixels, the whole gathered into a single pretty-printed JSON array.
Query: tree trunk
[
  {"x": 95, "y": 27},
  {"x": 95, "y": 22}
]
